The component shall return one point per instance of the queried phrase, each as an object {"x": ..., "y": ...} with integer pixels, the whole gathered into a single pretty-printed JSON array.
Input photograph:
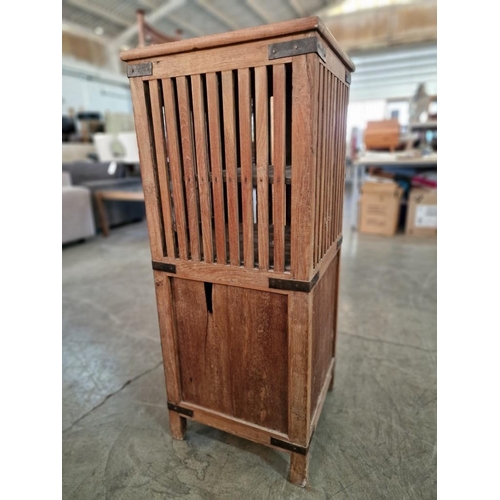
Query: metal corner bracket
[
  {"x": 141, "y": 69},
  {"x": 293, "y": 285},
  {"x": 307, "y": 45},
  {"x": 163, "y": 266},
  {"x": 180, "y": 409}
]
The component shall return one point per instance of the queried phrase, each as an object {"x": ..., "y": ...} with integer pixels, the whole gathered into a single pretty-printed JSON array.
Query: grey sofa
[
  {"x": 77, "y": 216},
  {"x": 95, "y": 176}
]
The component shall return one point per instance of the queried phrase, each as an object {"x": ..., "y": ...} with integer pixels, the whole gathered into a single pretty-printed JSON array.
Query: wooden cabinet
[{"x": 242, "y": 147}]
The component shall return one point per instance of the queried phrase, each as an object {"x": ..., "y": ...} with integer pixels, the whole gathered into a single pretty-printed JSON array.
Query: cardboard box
[
  {"x": 380, "y": 205},
  {"x": 421, "y": 219}
]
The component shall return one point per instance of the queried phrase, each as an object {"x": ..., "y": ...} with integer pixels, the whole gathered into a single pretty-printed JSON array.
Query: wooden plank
[
  {"x": 299, "y": 362},
  {"x": 241, "y": 276},
  {"x": 344, "y": 145},
  {"x": 234, "y": 425},
  {"x": 329, "y": 161},
  {"x": 168, "y": 336},
  {"x": 175, "y": 166},
  {"x": 341, "y": 160},
  {"x": 317, "y": 189},
  {"x": 257, "y": 332},
  {"x": 338, "y": 111},
  {"x": 202, "y": 162},
  {"x": 161, "y": 163},
  {"x": 304, "y": 130},
  {"x": 203, "y": 347},
  {"x": 262, "y": 162},
  {"x": 323, "y": 298},
  {"x": 188, "y": 163},
  {"x": 321, "y": 164},
  {"x": 147, "y": 161},
  {"x": 229, "y": 113},
  {"x": 228, "y": 361},
  {"x": 246, "y": 165},
  {"x": 279, "y": 161},
  {"x": 297, "y": 26},
  {"x": 216, "y": 163}
]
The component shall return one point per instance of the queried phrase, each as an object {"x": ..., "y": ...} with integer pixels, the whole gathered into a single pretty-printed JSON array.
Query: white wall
[{"x": 89, "y": 88}]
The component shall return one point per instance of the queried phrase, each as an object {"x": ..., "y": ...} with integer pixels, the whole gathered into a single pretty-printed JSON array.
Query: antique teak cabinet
[{"x": 242, "y": 149}]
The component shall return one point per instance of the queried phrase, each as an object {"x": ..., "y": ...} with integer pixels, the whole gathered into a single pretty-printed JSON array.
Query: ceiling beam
[
  {"x": 77, "y": 29},
  {"x": 297, "y": 8},
  {"x": 259, "y": 11},
  {"x": 185, "y": 25},
  {"x": 218, "y": 14},
  {"x": 99, "y": 11},
  {"x": 151, "y": 18}
]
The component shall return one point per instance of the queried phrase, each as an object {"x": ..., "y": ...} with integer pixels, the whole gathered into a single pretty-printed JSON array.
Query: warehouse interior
[{"x": 377, "y": 434}]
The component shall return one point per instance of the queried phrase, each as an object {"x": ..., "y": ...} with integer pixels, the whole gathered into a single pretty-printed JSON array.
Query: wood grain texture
[
  {"x": 147, "y": 160},
  {"x": 233, "y": 359},
  {"x": 279, "y": 161},
  {"x": 304, "y": 149},
  {"x": 299, "y": 469},
  {"x": 202, "y": 162},
  {"x": 262, "y": 161},
  {"x": 175, "y": 167},
  {"x": 304, "y": 25},
  {"x": 230, "y": 131},
  {"x": 189, "y": 165},
  {"x": 168, "y": 336},
  {"x": 299, "y": 361},
  {"x": 245, "y": 125},
  {"x": 156, "y": 98},
  {"x": 322, "y": 331},
  {"x": 216, "y": 166}
]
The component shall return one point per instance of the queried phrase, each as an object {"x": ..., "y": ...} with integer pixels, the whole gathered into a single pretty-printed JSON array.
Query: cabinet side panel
[
  {"x": 233, "y": 350},
  {"x": 324, "y": 309}
]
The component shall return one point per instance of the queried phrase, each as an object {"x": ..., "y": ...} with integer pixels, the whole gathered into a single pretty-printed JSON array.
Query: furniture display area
[
  {"x": 383, "y": 160},
  {"x": 242, "y": 146},
  {"x": 97, "y": 176},
  {"x": 77, "y": 217},
  {"x": 132, "y": 193}
]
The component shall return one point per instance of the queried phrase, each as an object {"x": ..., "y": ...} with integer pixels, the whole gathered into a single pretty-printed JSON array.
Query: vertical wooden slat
[
  {"x": 262, "y": 161},
  {"x": 345, "y": 91},
  {"x": 304, "y": 128},
  {"x": 228, "y": 106},
  {"x": 299, "y": 363},
  {"x": 341, "y": 155},
  {"x": 329, "y": 162},
  {"x": 161, "y": 163},
  {"x": 188, "y": 162},
  {"x": 333, "y": 149},
  {"x": 279, "y": 161},
  {"x": 147, "y": 161},
  {"x": 336, "y": 157},
  {"x": 317, "y": 211},
  {"x": 322, "y": 164},
  {"x": 244, "y": 108},
  {"x": 175, "y": 166},
  {"x": 216, "y": 163},
  {"x": 202, "y": 162}
]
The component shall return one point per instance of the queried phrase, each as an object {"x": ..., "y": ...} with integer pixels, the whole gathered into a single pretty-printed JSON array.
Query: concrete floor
[{"x": 376, "y": 438}]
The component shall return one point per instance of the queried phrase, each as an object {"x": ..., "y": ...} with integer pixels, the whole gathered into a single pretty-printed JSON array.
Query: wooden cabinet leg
[
  {"x": 298, "y": 469},
  {"x": 177, "y": 425}
]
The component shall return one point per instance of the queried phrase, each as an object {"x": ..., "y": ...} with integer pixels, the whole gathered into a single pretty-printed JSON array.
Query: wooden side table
[{"x": 116, "y": 195}]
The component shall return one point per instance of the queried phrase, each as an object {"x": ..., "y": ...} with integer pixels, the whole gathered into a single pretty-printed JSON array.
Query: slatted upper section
[
  {"x": 330, "y": 166},
  {"x": 221, "y": 144},
  {"x": 243, "y": 166}
]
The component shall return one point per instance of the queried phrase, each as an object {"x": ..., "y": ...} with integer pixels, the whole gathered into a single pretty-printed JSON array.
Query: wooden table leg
[
  {"x": 177, "y": 425},
  {"x": 298, "y": 469},
  {"x": 101, "y": 211}
]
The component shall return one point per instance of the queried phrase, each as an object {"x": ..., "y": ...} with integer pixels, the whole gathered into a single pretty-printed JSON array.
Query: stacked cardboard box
[
  {"x": 421, "y": 218},
  {"x": 380, "y": 205}
]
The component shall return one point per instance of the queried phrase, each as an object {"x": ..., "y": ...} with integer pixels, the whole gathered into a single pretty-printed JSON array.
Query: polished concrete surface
[{"x": 376, "y": 438}]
